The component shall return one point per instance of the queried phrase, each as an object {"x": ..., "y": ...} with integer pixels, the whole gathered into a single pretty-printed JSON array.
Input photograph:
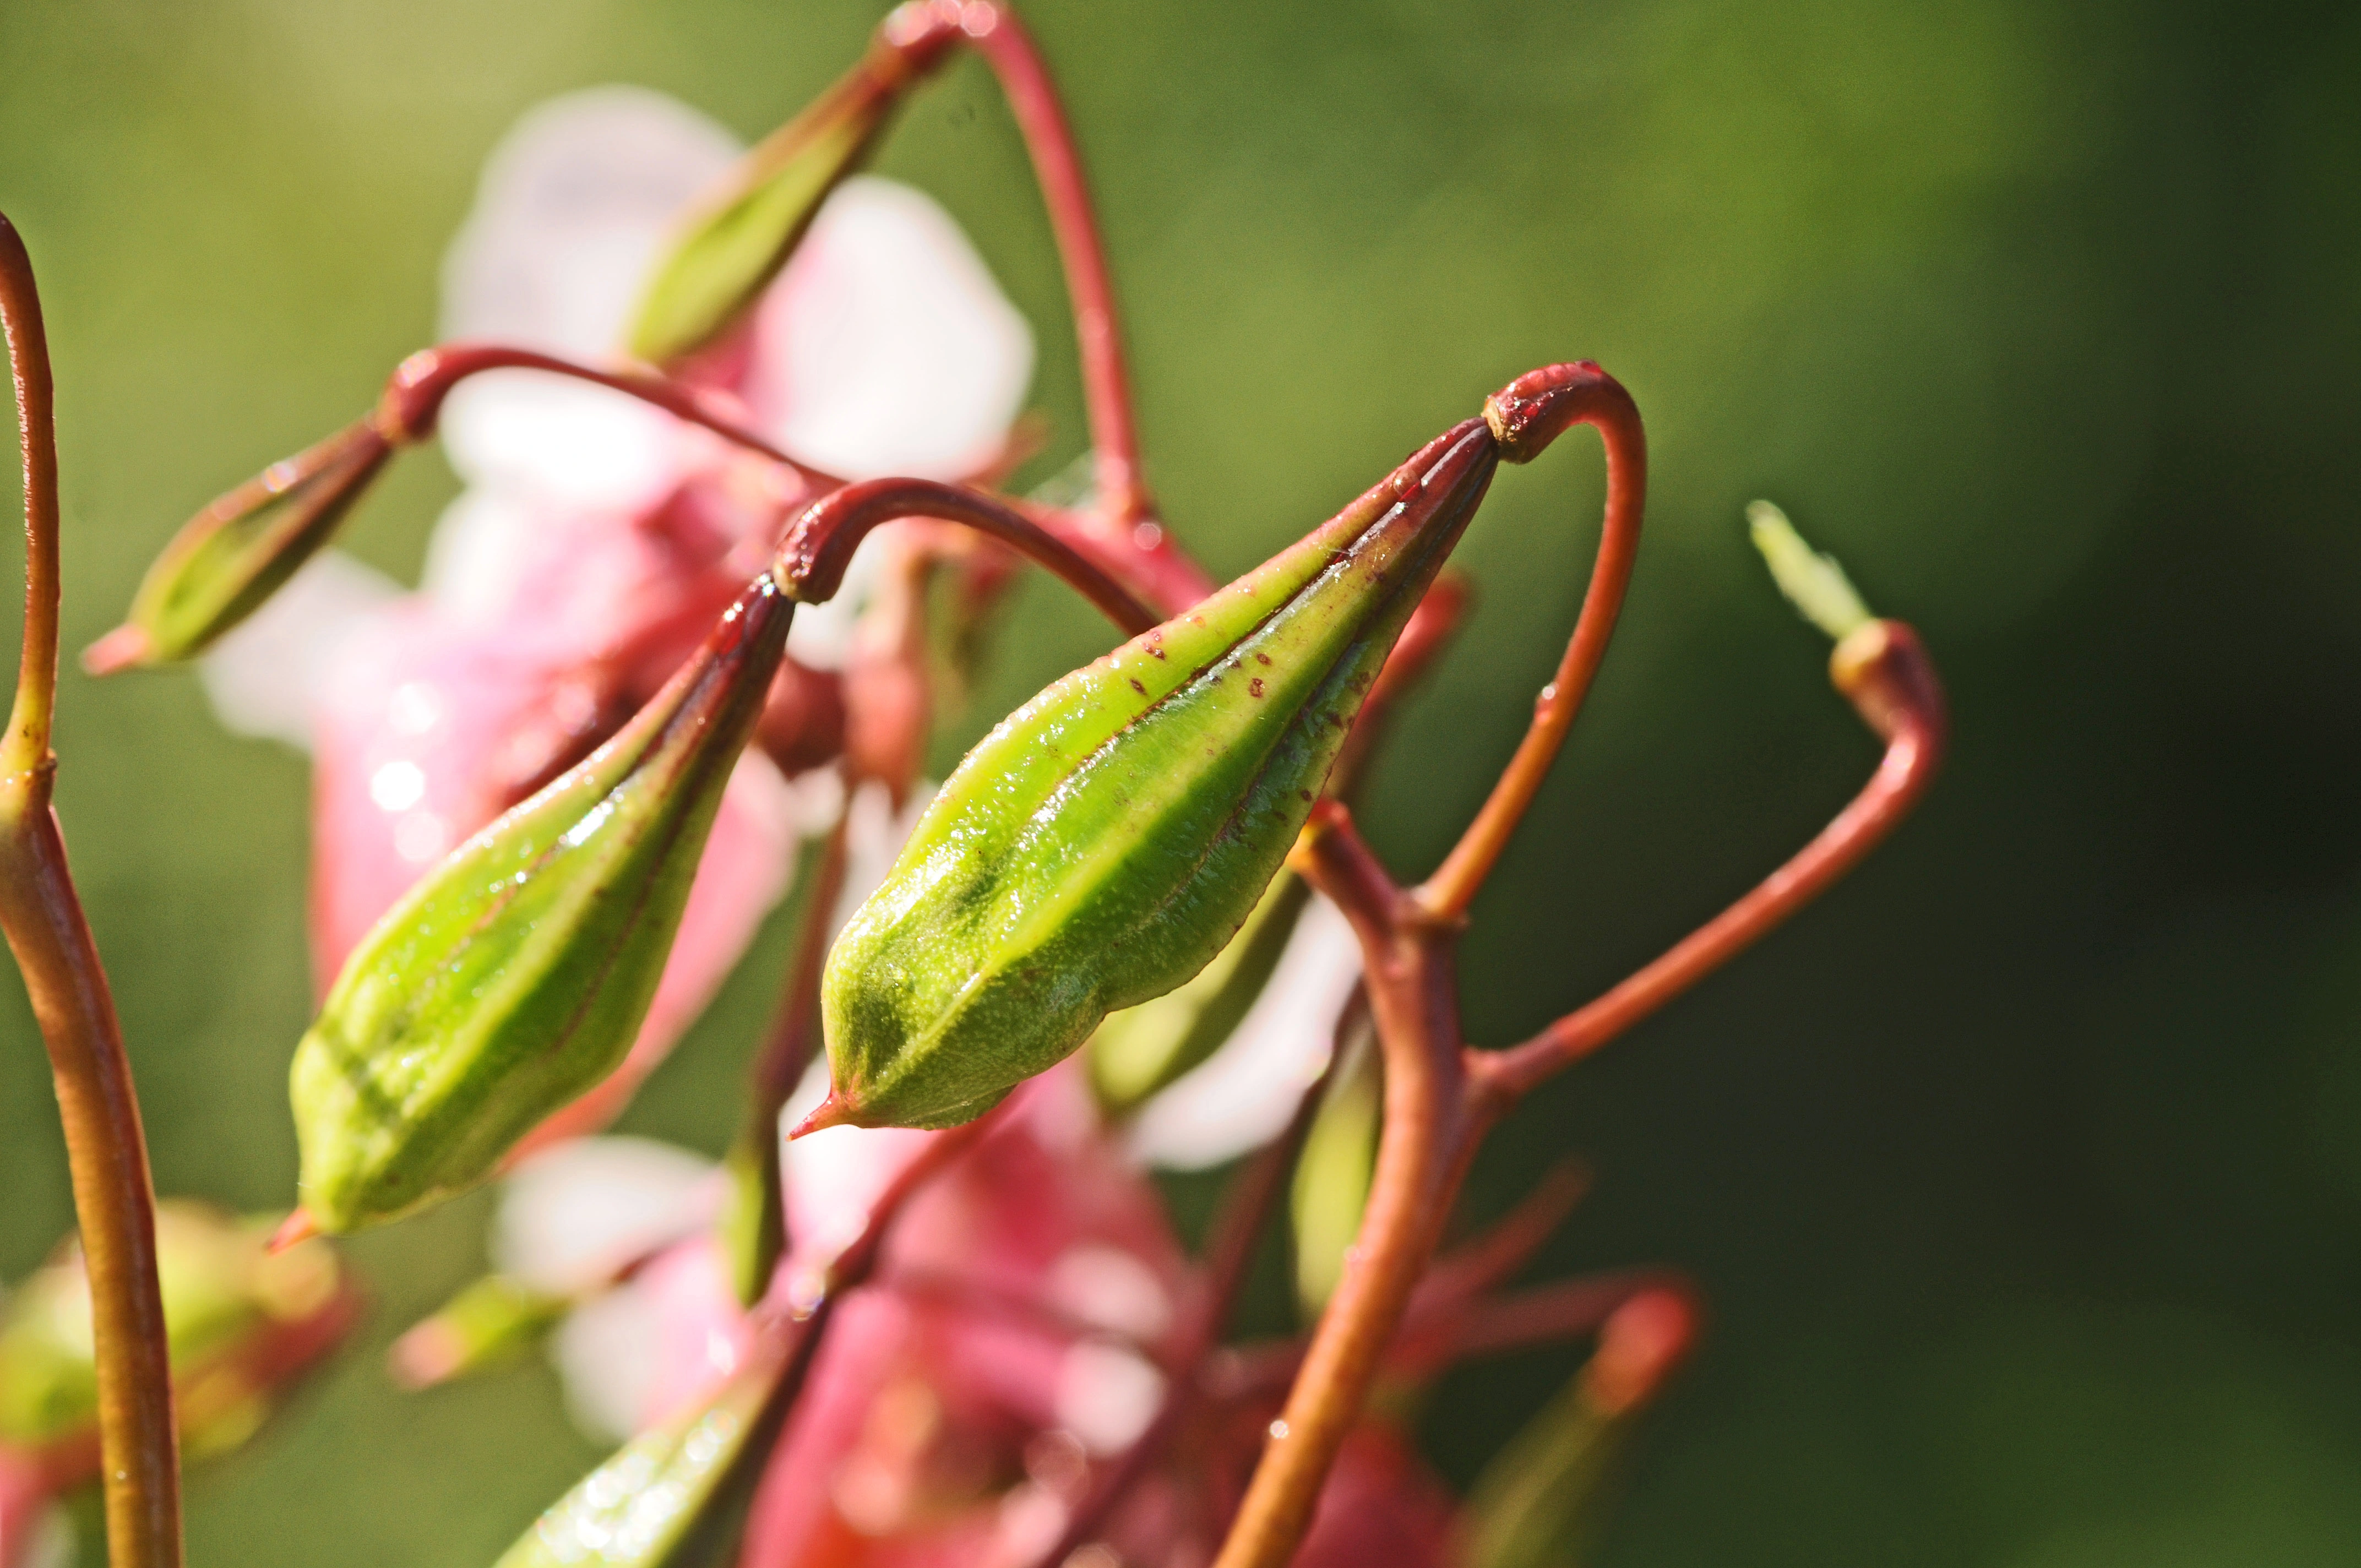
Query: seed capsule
[
  {"x": 1111, "y": 836},
  {"x": 515, "y": 976},
  {"x": 737, "y": 244},
  {"x": 239, "y": 551}
]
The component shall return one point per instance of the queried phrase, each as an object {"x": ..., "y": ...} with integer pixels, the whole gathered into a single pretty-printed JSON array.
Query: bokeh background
[{"x": 2024, "y": 1175}]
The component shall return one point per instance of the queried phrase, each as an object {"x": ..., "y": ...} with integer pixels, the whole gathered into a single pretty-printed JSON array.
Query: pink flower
[{"x": 598, "y": 537}]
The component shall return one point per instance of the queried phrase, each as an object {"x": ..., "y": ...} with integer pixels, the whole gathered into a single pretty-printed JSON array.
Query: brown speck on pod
[
  {"x": 1137, "y": 688},
  {"x": 1262, "y": 658},
  {"x": 1255, "y": 685}
]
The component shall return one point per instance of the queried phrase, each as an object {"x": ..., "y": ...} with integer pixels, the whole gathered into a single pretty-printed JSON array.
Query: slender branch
[
  {"x": 1245, "y": 1210},
  {"x": 1544, "y": 1314},
  {"x": 1006, "y": 45},
  {"x": 1885, "y": 671},
  {"x": 785, "y": 1053},
  {"x": 1422, "y": 1155},
  {"x": 114, "y": 1197},
  {"x": 819, "y": 544},
  {"x": 1489, "y": 1259},
  {"x": 414, "y": 394},
  {"x": 809, "y": 1294},
  {"x": 1437, "y": 1331},
  {"x": 1525, "y": 417},
  {"x": 27, "y": 746}
]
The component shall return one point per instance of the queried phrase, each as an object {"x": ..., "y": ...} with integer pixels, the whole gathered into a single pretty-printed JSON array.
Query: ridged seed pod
[{"x": 1109, "y": 838}]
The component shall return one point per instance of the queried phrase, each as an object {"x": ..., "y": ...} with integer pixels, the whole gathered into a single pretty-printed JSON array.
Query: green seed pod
[
  {"x": 733, "y": 247},
  {"x": 239, "y": 551},
  {"x": 1103, "y": 843},
  {"x": 1146, "y": 1048},
  {"x": 515, "y": 976}
]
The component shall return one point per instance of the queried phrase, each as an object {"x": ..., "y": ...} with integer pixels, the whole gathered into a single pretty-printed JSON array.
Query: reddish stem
[
  {"x": 1885, "y": 670},
  {"x": 1440, "y": 1097},
  {"x": 1245, "y": 1210},
  {"x": 819, "y": 544},
  {"x": 1525, "y": 417},
  {"x": 414, "y": 394},
  {"x": 114, "y": 1197},
  {"x": 1422, "y": 1155},
  {"x": 1006, "y": 45}
]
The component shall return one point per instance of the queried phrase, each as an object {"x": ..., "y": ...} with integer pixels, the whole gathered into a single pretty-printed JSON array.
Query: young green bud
[
  {"x": 517, "y": 973},
  {"x": 1111, "y": 836},
  {"x": 737, "y": 242},
  {"x": 1812, "y": 581},
  {"x": 242, "y": 549}
]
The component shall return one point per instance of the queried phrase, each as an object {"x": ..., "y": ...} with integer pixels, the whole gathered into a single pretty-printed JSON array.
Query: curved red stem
[
  {"x": 414, "y": 394},
  {"x": 1886, "y": 671},
  {"x": 1525, "y": 417},
  {"x": 819, "y": 544},
  {"x": 1009, "y": 49},
  {"x": 106, "y": 1151}
]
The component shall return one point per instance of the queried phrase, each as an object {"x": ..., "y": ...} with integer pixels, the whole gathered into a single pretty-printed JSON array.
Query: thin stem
[
  {"x": 414, "y": 394},
  {"x": 1885, "y": 671},
  {"x": 114, "y": 1199},
  {"x": 1525, "y": 417},
  {"x": 1437, "y": 1333},
  {"x": 1006, "y": 45},
  {"x": 1245, "y": 1210},
  {"x": 819, "y": 544},
  {"x": 1422, "y": 1155},
  {"x": 794, "y": 1040},
  {"x": 1544, "y": 1314},
  {"x": 27, "y": 743}
]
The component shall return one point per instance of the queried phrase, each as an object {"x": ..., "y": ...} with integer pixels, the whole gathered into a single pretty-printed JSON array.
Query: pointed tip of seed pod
[
  {"x": 118, "y": 650},
  {"x": 832, "y": 1111},
  {"x": 295, "y": 1229}
]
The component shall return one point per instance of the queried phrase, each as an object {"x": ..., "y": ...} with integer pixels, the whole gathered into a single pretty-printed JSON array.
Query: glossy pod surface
[
  {"x": 1109, "y": 838},
  {"x": 516, "y": 975}
]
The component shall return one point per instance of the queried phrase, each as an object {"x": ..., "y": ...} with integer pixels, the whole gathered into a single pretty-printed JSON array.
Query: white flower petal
[
  {"x": 605, "y": 1352},
  {"x": 572, "y": 1215},
  {"x": 575, "y": 204},
  {"x": 1112, "y": 1289},
  {"x": 267, "y": 675},
  {"x": 887, "y": 347},
  {"x": 1106, "y": 1396},
  {"x": 834, "y": 1178},
  {"x": 568, "y": 441},
  {"x": 1243, "y": 1094}
]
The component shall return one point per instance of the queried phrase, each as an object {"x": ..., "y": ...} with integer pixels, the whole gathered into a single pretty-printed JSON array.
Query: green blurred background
[{"x": 2024, "y": 1175}]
